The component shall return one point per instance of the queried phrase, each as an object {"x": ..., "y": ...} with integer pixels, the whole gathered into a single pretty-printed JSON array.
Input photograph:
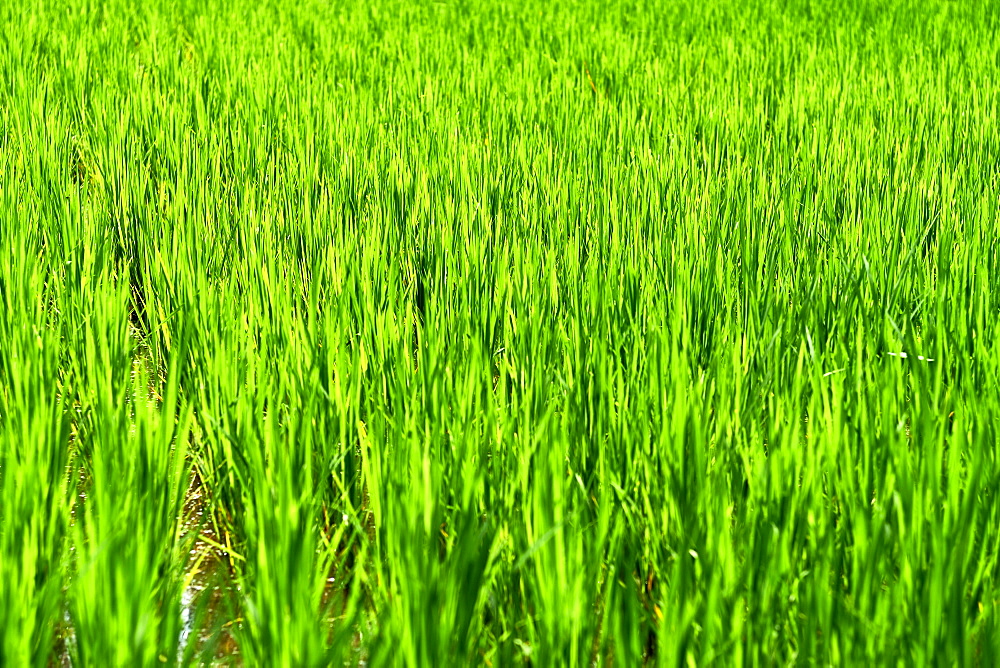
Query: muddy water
[{"x": 210, "y": 595}]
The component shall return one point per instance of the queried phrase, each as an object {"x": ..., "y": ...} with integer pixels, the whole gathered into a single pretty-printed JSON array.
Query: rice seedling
[{"x": 489, "y": 333}]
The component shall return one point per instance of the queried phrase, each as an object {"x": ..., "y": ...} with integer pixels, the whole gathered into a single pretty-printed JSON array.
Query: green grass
[{"x": 494, "y": 333}]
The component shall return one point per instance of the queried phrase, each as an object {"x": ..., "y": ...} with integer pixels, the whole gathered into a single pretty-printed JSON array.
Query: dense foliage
[{"x": 572, "y": 333}]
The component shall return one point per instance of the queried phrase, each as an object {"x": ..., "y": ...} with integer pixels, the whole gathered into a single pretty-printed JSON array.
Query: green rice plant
[
  {"x": 492, "y": 333},
  {"x": 36, "y": 489}
]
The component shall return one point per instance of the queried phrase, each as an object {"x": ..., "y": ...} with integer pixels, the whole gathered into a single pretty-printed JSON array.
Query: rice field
[{"x": 499, "y": 333}]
